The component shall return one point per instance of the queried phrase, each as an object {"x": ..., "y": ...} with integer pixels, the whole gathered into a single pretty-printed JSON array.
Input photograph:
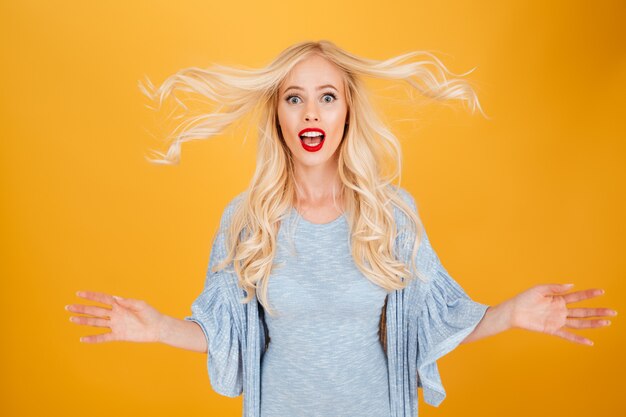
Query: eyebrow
[{"x": 295, "y": 87}]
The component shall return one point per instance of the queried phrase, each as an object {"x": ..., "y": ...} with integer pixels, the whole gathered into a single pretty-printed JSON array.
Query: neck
[{"x": 316, "y": 184}]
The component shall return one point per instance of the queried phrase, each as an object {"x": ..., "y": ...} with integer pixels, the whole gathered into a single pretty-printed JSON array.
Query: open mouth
[{"x": 312, "y": 140}]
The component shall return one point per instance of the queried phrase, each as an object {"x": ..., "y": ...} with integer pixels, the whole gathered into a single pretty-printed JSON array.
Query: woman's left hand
[{"x": 544, "y": 309}]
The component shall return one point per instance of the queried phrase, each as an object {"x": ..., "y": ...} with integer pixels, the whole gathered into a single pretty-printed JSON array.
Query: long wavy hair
[{"x": 369, "y": 157}]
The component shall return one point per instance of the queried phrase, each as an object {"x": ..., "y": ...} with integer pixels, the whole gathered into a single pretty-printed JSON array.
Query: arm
[
  {"x": 543, "y": 309},
  {"x": 183, "y": 334},
  {"x": 133, "y": 320},
  {"x": 496, "y": 320}
]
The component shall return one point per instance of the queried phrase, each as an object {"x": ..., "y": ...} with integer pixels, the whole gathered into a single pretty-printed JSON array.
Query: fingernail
[
  {"x": 607, "y": 322},
  {"x": 67, "y": 307},
  {"x": 80, "y": 293},
  {"x": 117, "y": 297},
  {"x": 614, "y": 313},
  {"x": 82, "y": 339},
  {"x": 590, "y": 343}
]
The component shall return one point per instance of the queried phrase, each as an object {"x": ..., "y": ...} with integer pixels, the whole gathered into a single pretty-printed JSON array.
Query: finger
[
  {"x": 130, "y": 303},
  {"x": 586, "y": 324},
  {"x": 96, "y": 296},
  {"x": 548, "y": 289},
  {"x": 582, "y": 295},
  {"x": 90, "y": 321},
  {"x": 91, "y": 310},
  {"x": 573, "y": 337},
  {"x": 98, "y": 338},
  {"x": 591, "y": 312}
]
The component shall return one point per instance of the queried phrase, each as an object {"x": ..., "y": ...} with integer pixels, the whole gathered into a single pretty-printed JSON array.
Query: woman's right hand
[{"x": 130, "y": 320}]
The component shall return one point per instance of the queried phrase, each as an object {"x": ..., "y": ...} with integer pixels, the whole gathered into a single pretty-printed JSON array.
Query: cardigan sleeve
[
  {"x": 446, "y": 316},
  {"x": 219, "y": 313},
  {"x": 441, "y": 316}
]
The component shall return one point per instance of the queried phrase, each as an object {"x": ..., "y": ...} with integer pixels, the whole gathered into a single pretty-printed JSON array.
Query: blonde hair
[{"x": 369, "y": 158}]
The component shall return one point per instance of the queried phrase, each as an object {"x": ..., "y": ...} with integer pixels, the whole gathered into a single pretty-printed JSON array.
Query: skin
[
  {"x": 543, "y": 308},
  {"x": 311, "y": 106}
]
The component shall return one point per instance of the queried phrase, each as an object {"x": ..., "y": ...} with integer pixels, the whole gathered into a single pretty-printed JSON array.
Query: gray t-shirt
[{"x": 325, "y": 357}]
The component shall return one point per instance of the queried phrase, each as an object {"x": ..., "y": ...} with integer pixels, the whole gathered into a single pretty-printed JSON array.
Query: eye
[
  {"x": 329, "y": 94},
  {"x": 290, "y": 97}
]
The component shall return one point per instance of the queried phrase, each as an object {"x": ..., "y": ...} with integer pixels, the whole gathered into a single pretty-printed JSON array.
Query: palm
[
  {"x": 129, "y": 320},
  {"x": 544, "y": 309}
]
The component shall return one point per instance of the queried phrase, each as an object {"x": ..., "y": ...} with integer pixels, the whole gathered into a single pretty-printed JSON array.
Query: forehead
[{"x": 314, "y": 71}]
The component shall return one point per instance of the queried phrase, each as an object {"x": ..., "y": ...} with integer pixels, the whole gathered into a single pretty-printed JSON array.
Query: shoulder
[
  {"x": 404, "y": 196},
  {"x": 235, "y": 202},
  {"x": 230, "y": 208},
  {"x": 410, "y": 233}
]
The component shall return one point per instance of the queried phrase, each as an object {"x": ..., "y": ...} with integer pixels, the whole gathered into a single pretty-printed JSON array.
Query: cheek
[
  {"x": 337, "y": 119},
  {"x": 285, "y": 119}
]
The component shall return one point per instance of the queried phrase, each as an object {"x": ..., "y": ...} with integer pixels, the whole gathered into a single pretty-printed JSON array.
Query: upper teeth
[{"x": 312, "y": 134}]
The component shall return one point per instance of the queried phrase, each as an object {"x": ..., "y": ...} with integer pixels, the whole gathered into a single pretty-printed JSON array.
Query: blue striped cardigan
[{"x": 424, "y": 321}]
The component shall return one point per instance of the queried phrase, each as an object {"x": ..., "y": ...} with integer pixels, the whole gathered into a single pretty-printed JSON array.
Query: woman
[{"x": 324, "y": 296}]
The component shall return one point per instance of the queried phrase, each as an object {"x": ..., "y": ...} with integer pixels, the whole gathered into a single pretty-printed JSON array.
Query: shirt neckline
[{"x": 301, "y": 219}]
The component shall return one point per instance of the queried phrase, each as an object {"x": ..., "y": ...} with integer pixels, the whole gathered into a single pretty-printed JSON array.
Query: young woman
[{"x": 324, "y": 296}]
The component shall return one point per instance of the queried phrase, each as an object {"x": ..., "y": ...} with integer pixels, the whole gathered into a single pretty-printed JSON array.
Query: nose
[{"x": 311, "y": 114}]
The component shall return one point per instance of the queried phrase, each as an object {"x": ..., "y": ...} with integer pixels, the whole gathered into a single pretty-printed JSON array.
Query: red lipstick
[{"x": 310, "y": 148}]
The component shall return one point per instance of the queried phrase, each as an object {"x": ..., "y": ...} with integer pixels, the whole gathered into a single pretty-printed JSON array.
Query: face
[{"x": 312, "y": 97}]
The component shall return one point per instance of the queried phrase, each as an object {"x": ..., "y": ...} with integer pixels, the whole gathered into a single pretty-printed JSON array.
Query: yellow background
[{"x": 535, "y": 195}]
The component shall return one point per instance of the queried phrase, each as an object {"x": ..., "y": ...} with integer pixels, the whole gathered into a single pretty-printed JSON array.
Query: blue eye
[
  {"x": 334, "y": 97},
  {"x": 331, "y": 95}
]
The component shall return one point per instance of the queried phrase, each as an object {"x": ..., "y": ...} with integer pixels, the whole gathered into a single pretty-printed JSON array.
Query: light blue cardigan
[{"x": 424, "y": 321}]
